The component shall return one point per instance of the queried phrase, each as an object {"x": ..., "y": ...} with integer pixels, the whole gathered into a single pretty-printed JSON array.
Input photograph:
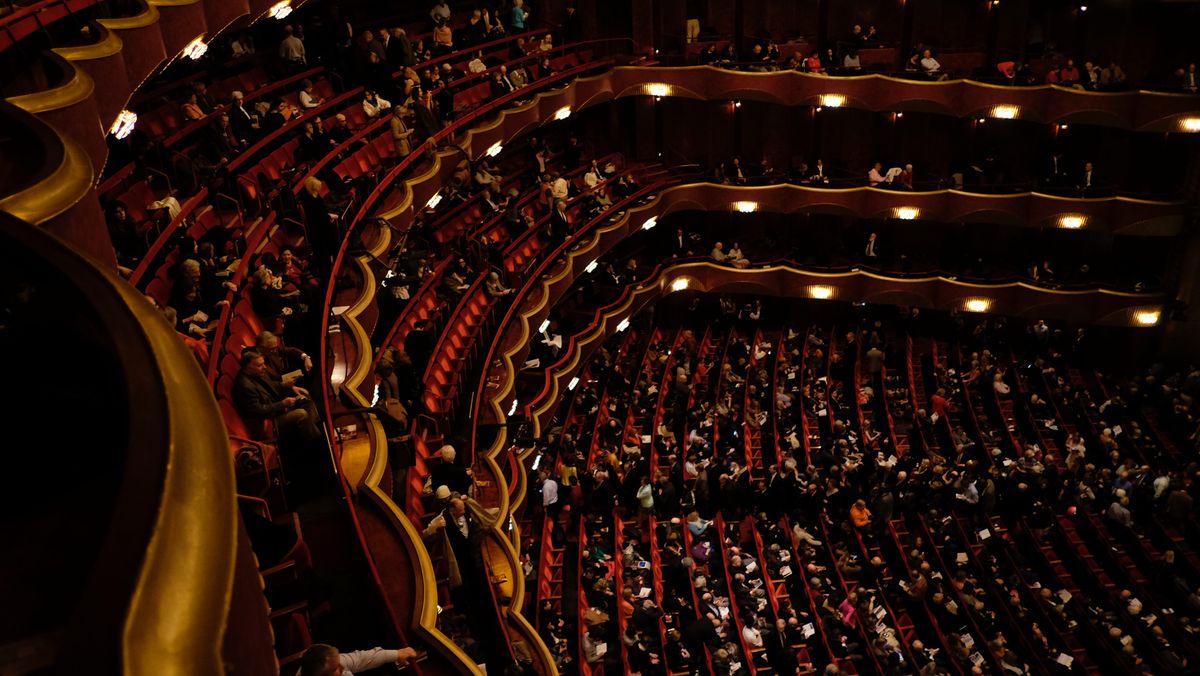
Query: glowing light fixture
[
  {"x": 907, "y": 213},
  {"x": 1063, "y": 127},
  {"x": 574, "y": 381},
  {"x": 681, "y": 284},
  {"x": 658, "y": 89},
  {"x": 196, "y": 48},
  {"x": 280, "y": 10},
  {"x": 1147, "y": 317},
  {"x": 1083, "y": 8},
  {"x": 1071, "y": 222},
  {"x": 591, "y": 267},
  {"x": 126, "y": 121},
  {"x": 650, "y": 223},
  {"x": 562, "y": 113},
  {"x": 1190, "y": 124},
  {"x": 495, "y": 149},
  {"x": 737, "y": 104},
  {"x": 545, "y": 325},
  {"x": 833, "y": 100},
  {"x": 513, "y": 411},
  {"x": 746, "y": 207},
  {"x": 1005, "y": 112},
  {"x": 820, "y": 292},
  {"x": 977, "y": 305},
  {"x": 623, "y": 325},
  {"x": 434, "y": 201}
]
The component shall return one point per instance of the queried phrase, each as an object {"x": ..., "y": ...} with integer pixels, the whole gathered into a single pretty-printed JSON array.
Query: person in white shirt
[
  {"x": 929, "y": 64},
  {"x": 559, "y": 189},
  {"x": 999, "y": 385},
  {"x": 307, "y": 98},
  {"x": 291, "y": 49},
  {"x": 373, "y": 104},
  {"x": 875, "y": 175},
  {"x": 645, "y": 496},
  {"x": 592, "y": 177},
  {"x": 870, "y": 252},
  {"x": 752, "y": 636},
  {"x": 718, "y": 253},
  {"x": 476, "y": 64},
  {"x": 550, "y": 497},
  {"x": 325, "y": 660}
]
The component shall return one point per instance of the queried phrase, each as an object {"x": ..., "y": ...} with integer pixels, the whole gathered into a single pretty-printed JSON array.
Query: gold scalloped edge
[
  {"x": 66, "y": 185},
  {"x": 78, "y": 88},
  {"x": 425, "y": 612}
]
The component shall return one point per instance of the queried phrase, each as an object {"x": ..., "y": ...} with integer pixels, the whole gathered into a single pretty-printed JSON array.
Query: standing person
[
  {"x": 550, "y": 502},
  {"x": 291, "y": 50},
  {"x": 400, "y": 133},
  {"x": 520, "y": 17},
  {"x": 320, "y": 228}
]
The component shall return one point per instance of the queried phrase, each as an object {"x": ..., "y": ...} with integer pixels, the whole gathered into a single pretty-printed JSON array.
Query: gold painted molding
[
  {"x": 174, "y": 621},
  {"x": 109, "y": 44},
  {"x": 68, "y": 183},
  {"x": 75, "y": 90},
  {"x": 146, "y": 18}
]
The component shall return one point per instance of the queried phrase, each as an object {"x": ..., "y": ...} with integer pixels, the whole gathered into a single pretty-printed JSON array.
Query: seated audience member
[
  {"x": 930, "y": 65},
  {"x": 373, "y": 103},
  {"x": 286, "y": 364},
  {"x": 1068, "y": 75},
  {"x": 192, "y": 109},
  {"x": 818, "y": 174},
  {"x": 875, "y": 176},
  {"x": 476, "y": 64},
  {"x": 443, "y": 38},
  {"x": 495, "y": 288},
  {"x": 259, "y": 397},
  {"x": 851, "y": 62},
  {"x": 307, "y": 98},
  {"x": 813, "y": 64},
  {"x": 736, "y": 258}
]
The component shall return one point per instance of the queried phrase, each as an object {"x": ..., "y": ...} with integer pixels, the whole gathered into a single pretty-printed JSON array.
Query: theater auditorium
[{"x": 582, "y": 337}]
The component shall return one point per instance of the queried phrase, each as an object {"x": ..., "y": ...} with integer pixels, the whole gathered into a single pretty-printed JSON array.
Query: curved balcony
[
  {"x": 1136, "y": 110},
  {"x": 122, "y": 523},
  {"x": 68, "y": 118}
]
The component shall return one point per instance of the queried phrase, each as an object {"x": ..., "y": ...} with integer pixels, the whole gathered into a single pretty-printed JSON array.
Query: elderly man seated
[{"x": 258, "y": 396}]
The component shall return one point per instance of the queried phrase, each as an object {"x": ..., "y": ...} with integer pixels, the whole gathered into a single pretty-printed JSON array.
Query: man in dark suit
[
  {"x": 1087, "y": 180},
  {"x": 259, "y": 397},
  {"x": 244, "y": 125},
  {"x": 560, "y": 224},
  {"x": 679, "y": 244},
  {"x": 399, "y": 50}
]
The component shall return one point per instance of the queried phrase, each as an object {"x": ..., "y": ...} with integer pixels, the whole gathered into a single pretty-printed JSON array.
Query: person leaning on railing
[{"x": 325, "y": 660}]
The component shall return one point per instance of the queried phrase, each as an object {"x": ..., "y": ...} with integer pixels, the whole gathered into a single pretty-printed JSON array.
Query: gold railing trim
[
  {"x": 109, "y": 44},
  {"x": 68, "y": 183},
  {"x": 176, "y": 619},
  {"x": 77, "y": 89},
  {"x": 146, "y": 18}
]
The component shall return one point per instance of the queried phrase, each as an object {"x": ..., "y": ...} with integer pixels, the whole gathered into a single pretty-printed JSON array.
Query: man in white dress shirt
[{"x": 325, "y": 660}]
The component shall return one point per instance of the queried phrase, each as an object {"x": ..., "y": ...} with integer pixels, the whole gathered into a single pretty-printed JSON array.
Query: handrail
[
  {"x": 166, "y": 614},
  {"x": 189, "y": 207},
  {"x": 535, "y": 277},
  {"x": 30, "y": 19},
  {"x": 271, "y": 88},
  {"x": 391, "y": 177}
]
